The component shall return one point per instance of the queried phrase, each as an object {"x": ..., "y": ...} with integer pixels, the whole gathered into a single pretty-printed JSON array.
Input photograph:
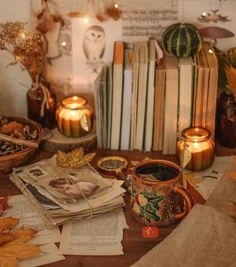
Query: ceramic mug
[{"x": 157, "y": 198}]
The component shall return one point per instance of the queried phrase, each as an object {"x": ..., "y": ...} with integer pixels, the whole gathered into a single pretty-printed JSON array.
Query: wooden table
[{"x": 134, "y": 245}]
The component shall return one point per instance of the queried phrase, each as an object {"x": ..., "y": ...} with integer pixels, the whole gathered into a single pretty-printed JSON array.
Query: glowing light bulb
[
  {"x": 64, "y": 43},
  {"x": 22, "y": 35},
  {"x": 210, "y": 51},
  {"x": 116, "y": 5},
  {"x": 85, "y": 20},
  {"x": 204, "y": 14}
]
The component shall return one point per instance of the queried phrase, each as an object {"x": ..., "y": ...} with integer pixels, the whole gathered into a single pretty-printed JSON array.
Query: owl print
[{"x": 94, "y": 43}]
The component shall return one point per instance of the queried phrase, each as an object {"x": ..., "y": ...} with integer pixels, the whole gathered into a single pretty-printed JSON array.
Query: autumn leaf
[
  {"x": 12, "y": 244},
  {"x": 232, "y": 175},
  {"x": 75, "y": 158},
  {"x": 4, "y": 204},
  {"x": 5, "y": 238},
  {"x": 8, "y": 262},
  {"x": 7, "y": 223},
  {"x": 19, "y": 250},
  {"x": 24, "y": 234}
]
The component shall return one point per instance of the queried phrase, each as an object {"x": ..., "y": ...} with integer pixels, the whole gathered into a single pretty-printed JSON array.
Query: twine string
[{"x": 46, "y": 95}]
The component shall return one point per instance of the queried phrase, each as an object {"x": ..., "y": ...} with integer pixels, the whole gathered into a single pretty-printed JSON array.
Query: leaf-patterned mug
[{"x": 157, "y": 198}]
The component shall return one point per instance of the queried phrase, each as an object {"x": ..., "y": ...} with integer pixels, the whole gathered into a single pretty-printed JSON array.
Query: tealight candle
[
  {"x": 196, "y": 149},
  {"x": 74, "y": 117}
]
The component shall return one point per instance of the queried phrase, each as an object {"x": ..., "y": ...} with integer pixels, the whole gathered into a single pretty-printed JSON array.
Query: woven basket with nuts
[{"x": 19, "y": 139}]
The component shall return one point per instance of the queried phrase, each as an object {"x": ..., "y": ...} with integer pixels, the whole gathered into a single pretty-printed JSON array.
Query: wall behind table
[
  {"x": 14, "y": 82},
  {"x": 12, "y": 93}
]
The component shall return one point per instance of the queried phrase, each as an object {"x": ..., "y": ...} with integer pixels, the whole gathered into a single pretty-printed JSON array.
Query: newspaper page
[
  {"x": 50, "y": 254},
  {"x": 100, "y": 235},
  {"x": 21, "y": 208}
]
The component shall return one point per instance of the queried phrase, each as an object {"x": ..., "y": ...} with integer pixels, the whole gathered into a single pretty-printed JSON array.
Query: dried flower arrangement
[
  {"x": 227, "y": 71},
  {"x": 28, "y": 50}
]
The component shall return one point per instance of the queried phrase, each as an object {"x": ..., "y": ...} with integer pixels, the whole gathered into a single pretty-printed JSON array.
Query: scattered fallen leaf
[
  {"x": 8, "y": 223},
  {"x": 5, "y": 238},
  {"x": 192, "y": 179},
  {"x": 12, "y": 244},
  {"x": 4, "y": 204},
  {"x": 24, "y": 234},
  {"x": 75, "y": 158},
  {"x": 19, "y": 250},
  {"x": 8, "y": 262},
  {"x": 233, "y": 175}
]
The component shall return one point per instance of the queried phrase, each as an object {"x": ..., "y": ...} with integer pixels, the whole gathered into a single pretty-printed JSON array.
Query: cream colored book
[
  {"x": 171, "y": 105},
  {"x": 118, "y": 68}
]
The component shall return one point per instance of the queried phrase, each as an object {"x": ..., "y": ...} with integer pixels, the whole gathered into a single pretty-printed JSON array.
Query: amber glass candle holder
[
  {"x": 196, "y": 149},
  {"x": 74, "y": 117}
]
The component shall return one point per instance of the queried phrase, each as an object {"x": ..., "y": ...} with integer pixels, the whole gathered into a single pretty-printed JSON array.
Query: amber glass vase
[{"x": 35, "y": 99}]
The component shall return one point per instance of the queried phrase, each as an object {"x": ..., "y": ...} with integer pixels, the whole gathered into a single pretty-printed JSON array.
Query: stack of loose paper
[
  {"x": 60, "y": 194},
  {"x": 45, "y": 238},
  {"x": 100, "y": 235}
]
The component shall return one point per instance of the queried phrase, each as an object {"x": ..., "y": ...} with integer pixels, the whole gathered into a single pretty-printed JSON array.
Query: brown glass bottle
[
  {"x": 34, "y": 103},
  {"x": 227, "y": 129}
]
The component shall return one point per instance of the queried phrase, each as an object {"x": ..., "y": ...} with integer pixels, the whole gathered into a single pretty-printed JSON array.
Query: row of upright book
[{"x": 145, "y": 98}]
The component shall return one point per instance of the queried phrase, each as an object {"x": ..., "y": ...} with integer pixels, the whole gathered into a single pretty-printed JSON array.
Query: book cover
[
  {"x": 118, "y": 68},
  {"x": 159, "y": 101},
  {"x": 171, "y": 105},
  {"x": 127, "y": 98},
  {"x": 213, "y": 86},
  {"x": 149, "y": 120},
  {"x": 185, "y": 93},
  {"x": 141, "y": 96}
]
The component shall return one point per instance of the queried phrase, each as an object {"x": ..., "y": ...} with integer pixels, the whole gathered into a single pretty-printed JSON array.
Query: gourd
[{"x": 181, "y": 39}]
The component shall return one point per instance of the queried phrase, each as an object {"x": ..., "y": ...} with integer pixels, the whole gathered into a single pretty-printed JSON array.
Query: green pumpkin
[{"x": 181, "y": 39}]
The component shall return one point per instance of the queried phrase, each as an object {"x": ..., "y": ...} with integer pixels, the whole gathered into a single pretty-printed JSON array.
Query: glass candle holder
[
  {"x": 74, "y": 117},
  {"x": 196, "y": 149}
]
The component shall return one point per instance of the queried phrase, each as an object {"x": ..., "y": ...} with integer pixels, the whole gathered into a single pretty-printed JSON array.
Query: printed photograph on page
[{"x": 75, "y": 184}]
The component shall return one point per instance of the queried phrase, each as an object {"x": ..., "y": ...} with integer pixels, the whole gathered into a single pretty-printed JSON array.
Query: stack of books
[
  {"x": 62, "y": 194},
  {"x": 144, "y": 102}
]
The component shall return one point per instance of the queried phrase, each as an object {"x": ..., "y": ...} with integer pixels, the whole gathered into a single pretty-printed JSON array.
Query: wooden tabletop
[{"x": 134, "y": 245}]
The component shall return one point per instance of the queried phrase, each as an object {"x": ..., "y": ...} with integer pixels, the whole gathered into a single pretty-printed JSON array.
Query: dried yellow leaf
[
  {"x": 233, "y": 175},
  {"x": 12, "y": 244},
  {"x": 24, "y": 234},
  {"x": 19, "y": 250},
  {"x": 8, "y": 223},
  {"x": 8, "y": 262},
  {"x": 6, "y": 237},
  {"x": 75, "y": 158},
  {"x": 4, "y": 204}
]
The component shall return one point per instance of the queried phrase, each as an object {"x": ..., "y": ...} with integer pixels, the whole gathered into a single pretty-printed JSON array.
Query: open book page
[
  {"x": 50, "y": 254},
  {"x": 22, "y": 209},
  {"x": 100, "y": 235}
]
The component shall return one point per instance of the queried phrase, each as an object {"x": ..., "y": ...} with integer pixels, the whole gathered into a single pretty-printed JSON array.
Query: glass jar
[
  {"x": 196, "y": 149},
  {"x": 74, "y": 117},
  {"x": 45, "y": 116},
  {"x": 227, "y": 122}
]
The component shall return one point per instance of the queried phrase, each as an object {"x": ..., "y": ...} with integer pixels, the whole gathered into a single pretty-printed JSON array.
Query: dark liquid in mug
[{"x": 158, "y": 171}]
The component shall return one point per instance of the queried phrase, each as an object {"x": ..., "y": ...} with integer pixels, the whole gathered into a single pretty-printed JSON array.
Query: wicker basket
[{"x": 20, "y": 158}]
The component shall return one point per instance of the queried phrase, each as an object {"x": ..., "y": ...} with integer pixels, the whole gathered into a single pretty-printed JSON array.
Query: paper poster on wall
[
  {"x": 147, "y": 19},
  {"x": 93, "y": 43}
]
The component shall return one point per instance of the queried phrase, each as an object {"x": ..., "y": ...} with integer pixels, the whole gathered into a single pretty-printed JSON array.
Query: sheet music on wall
[{"x": 144, "y": 19}]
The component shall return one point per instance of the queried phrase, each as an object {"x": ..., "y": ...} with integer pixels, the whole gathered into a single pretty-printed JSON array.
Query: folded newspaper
[{"x": 62, "y": 194}]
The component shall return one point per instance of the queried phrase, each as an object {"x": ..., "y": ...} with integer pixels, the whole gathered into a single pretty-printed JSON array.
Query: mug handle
[{"x": 188, "y": 201}]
